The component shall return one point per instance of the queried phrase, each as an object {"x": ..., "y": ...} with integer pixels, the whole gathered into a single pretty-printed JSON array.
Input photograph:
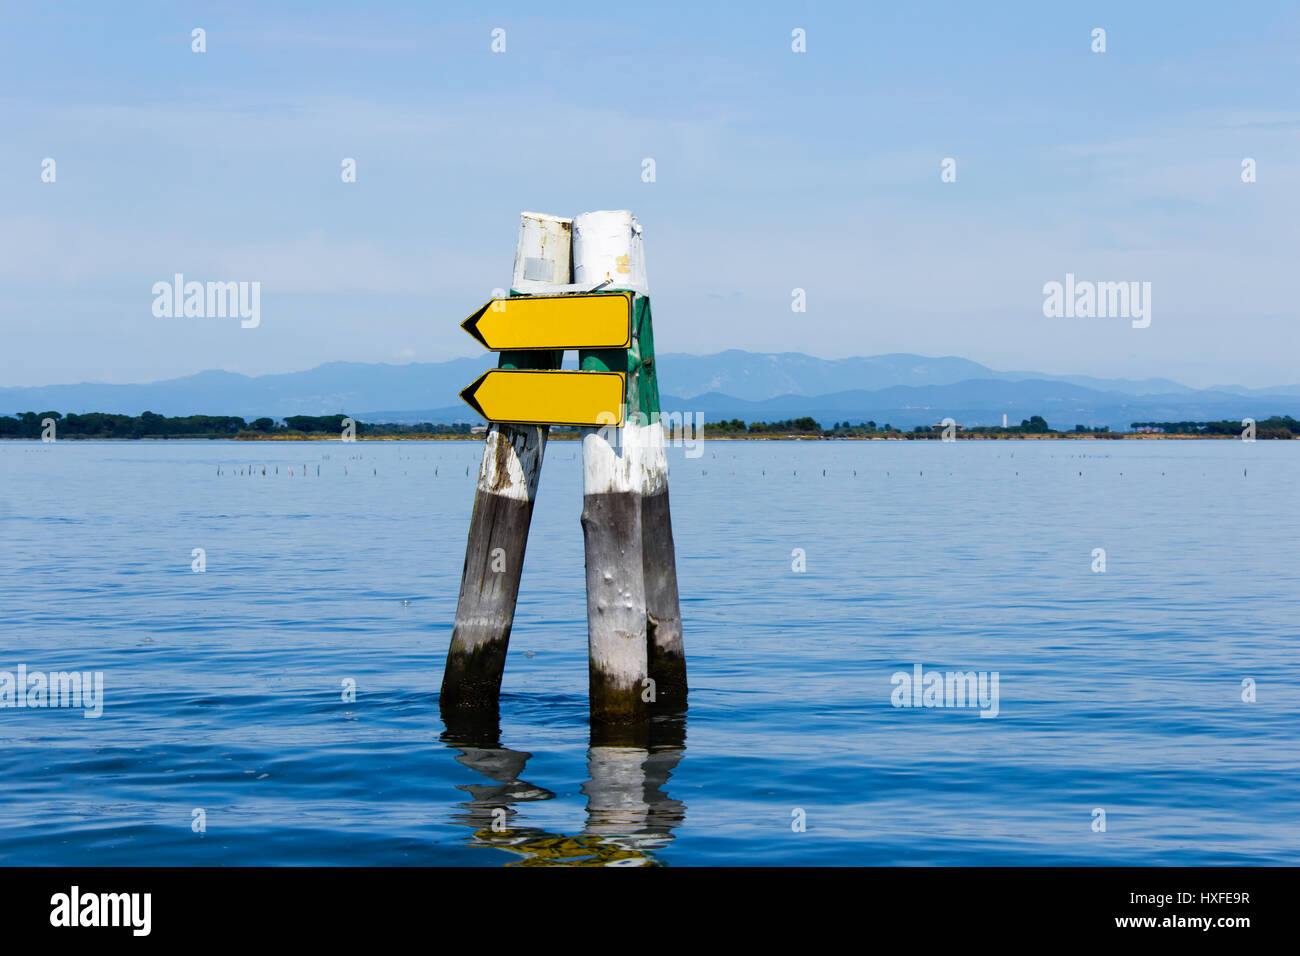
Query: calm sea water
[{"x": 223, "y": 690}]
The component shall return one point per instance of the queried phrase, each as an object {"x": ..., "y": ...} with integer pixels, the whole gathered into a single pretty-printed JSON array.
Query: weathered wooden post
[
  {"x": 503, "y": 502},
  {"x": 633, "y": 615},
  {"x": 658, "y": 556},
  {"x": 637, "y": 665}
]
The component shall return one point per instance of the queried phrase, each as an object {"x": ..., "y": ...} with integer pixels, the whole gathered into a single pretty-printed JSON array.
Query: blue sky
[{"x": 774, "y": 171}]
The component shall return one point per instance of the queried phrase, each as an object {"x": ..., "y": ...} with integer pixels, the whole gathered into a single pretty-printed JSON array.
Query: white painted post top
[
  {"x": 607, "y": 245},
  {"x": 543, "y": 253},
  {"x": 600, "y": 245}
]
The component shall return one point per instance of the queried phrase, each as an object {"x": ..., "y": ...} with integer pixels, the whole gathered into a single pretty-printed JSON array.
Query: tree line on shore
[
  {"x": 1278, "y": 426},
  {"x": 150, "y": 425}
]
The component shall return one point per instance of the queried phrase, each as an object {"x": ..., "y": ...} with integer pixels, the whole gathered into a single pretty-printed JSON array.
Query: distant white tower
[{"x": 1004, "y": 419}]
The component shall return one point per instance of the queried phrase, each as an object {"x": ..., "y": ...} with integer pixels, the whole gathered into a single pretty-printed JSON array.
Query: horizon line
[{"x": 1030, "y": 374}]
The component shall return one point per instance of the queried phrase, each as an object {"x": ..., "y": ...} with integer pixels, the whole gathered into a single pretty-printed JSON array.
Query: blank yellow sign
[
  {"x": 548, "y": 397},
  {"x": 600, "y": 320}
]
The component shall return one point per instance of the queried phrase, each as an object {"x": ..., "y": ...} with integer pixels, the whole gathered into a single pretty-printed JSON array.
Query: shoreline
[{"x": 577, "y": 436}]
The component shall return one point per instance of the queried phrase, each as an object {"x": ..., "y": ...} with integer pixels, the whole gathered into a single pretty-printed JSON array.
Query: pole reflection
[{"x": 629, "y": 814}]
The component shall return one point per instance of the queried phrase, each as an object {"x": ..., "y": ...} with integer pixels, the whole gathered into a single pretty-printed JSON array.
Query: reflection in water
[{"x": 629, "y": 814}]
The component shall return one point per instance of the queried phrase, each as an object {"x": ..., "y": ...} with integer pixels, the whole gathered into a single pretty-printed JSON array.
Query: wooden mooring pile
[{"x": 578, "y": 284}]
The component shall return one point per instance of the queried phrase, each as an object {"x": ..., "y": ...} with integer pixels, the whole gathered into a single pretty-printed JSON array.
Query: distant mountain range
[{"x": 900, "y": 389}]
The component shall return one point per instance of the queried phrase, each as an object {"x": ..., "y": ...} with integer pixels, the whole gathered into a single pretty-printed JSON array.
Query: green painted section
[
  {"x": 637, "y": 362},
  {"x": 530, "y": 359},
  {"x": 646, "y": 340}
]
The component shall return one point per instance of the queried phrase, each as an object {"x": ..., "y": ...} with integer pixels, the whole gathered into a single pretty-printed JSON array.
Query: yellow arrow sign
[
  {"x": 548, "y": 397},
  {"x": 600, "y": 320}
]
